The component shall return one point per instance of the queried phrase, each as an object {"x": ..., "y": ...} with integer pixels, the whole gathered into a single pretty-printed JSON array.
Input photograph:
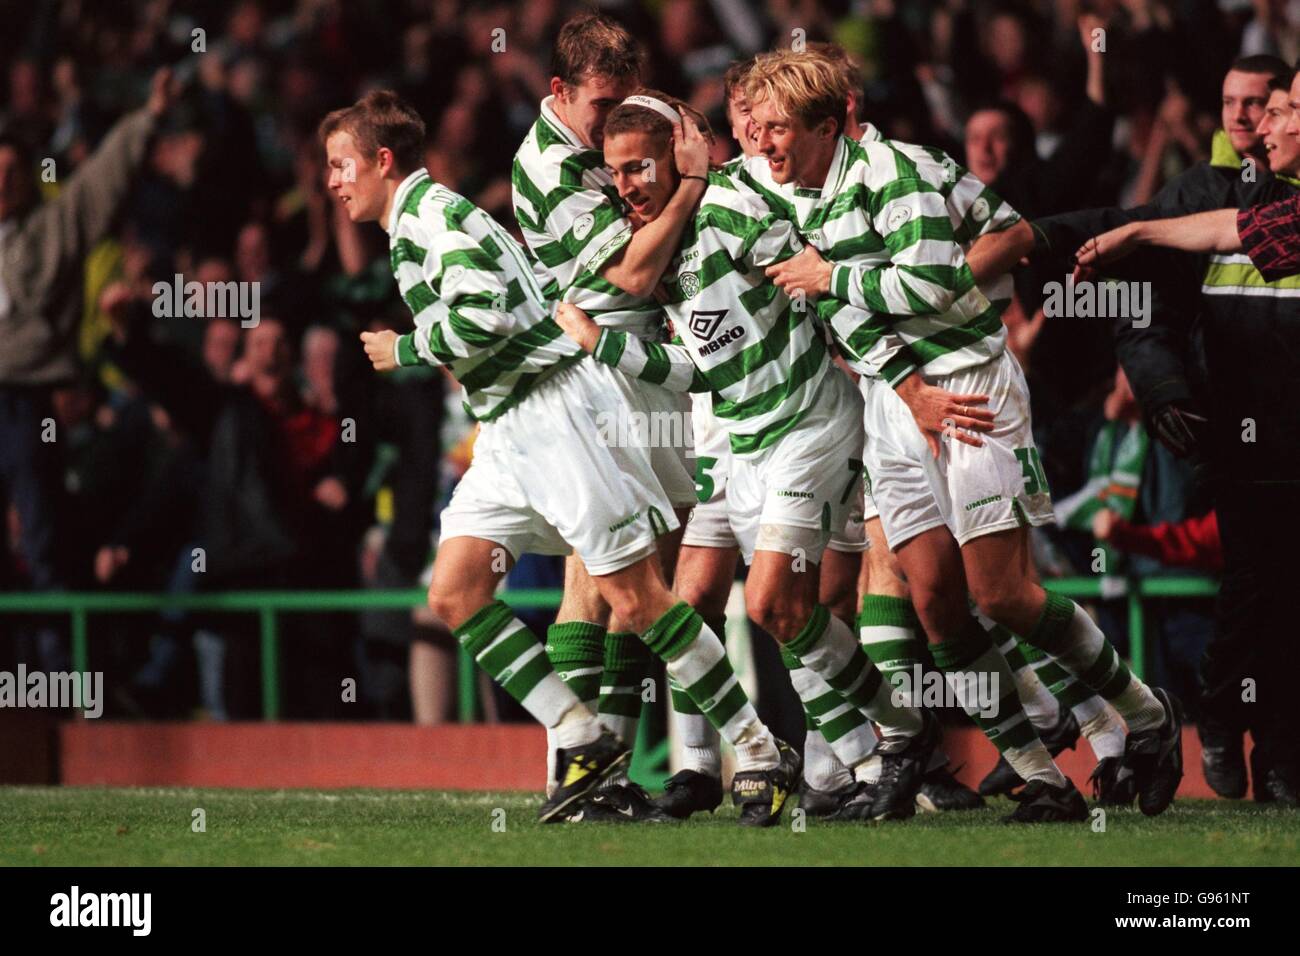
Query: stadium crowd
[{"x": 196, "y": 453}]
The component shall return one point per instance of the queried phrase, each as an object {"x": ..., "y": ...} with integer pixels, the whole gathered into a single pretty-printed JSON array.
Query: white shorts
[
  {"x": 809, "y": 481},
  {"x": 543, "y": 480},
  {"x": 973, "y": 491},
  {"x": 670, "y": 439},
  {"x": 708, "y": 526},
  {"x": 869, "y": 510}
]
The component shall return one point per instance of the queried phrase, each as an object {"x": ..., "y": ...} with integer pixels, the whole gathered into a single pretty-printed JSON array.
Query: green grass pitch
[{"x": 70, "y": 826}]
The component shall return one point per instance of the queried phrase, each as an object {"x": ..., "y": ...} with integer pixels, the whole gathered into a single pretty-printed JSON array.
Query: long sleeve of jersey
[
  {"x": 456, "y": 292},
  {"x": 927, "y": 273},
  {"x": 669, "y": 364}
]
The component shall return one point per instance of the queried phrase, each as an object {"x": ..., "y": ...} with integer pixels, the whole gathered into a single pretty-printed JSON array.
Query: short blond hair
[{"x": 808, "y": 86}]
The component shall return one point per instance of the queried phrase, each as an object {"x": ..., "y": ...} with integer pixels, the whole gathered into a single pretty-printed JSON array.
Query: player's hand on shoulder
[{"x": 380, "y": 349}]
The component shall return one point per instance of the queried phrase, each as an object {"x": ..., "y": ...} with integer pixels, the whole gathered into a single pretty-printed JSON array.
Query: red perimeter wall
[{"x": 450, "y": 757}]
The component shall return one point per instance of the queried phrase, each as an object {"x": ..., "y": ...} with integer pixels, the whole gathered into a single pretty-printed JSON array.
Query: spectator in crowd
[{"x": 42, "y": 248}]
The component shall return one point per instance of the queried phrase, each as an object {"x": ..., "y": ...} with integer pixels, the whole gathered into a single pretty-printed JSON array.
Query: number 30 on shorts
[{"x": 1031, "y": 466}]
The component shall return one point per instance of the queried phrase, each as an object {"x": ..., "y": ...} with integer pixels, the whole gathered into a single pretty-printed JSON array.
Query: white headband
[{"x": 659, "y": 106}]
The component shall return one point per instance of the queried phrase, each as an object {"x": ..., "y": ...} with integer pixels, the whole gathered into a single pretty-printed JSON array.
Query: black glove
[{"x": 1176, "y": 429}]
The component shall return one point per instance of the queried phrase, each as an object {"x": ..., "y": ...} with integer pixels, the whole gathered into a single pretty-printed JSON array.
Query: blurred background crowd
[{"x": 269, "y": 457}]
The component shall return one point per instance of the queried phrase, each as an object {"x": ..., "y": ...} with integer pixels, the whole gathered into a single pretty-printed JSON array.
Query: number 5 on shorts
[
  {"x": 703, "y": 480},
  {"x": 1031, "y": 466}
]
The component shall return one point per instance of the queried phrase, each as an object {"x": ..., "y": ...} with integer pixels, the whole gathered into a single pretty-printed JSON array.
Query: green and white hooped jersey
[
  {"x": 573, "y": 222},
  {"x": 973, "y": 208},
  {"x": 737, "y": 334},
  {"x": 894, "y": 219},
  {"x": 477, "y": 300}
]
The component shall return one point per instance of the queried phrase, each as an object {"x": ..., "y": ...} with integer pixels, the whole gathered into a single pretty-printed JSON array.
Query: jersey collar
[
  {"x": 399, "y": 197},
  {"x": 553, "y": 121}
]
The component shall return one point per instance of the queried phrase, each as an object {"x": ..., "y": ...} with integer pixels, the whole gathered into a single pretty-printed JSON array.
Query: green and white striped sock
[
  {"x": 891, "y": 635},
  {"x": 822, "y": 770},
  {"x": 971, "y": 658},
  {"x": 1042, "y": 709},
  {"x": 699, "y": 739},
  {"x": 1065, "y": 631},
  {"x": 504, "y": 647},
  {"x": 576, "y": 650},
  {"x": 627, "y": 664},
  {"x": 1098, "y": 722},
  {"x": 827, "y": 647},
  {"x": 842, "y": 726},
  {"x": 698, "y": 662}
]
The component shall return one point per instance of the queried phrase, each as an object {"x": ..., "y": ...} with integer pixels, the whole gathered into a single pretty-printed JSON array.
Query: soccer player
[
  {"x": 1059, "y": 707},
  {"x": 706, "y": 569},
  {"x": 1054, "y": 702},
  {"x": 539, "y": 480},
  {"x": 576, "y": 228},
  {"x": 910, "y": 317},
  {"x": 790, "y": 417}
]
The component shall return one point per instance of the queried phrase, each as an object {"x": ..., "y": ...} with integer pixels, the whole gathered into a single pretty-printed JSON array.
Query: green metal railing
[{"x": 268, "y": 605}]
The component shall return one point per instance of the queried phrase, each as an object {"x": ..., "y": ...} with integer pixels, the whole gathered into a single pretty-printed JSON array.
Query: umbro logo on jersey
[
  {"x": 725, "y": 339},
  {"x": 704, "y": 325}
]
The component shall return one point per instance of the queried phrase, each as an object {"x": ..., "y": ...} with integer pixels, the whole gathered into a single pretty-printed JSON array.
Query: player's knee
[
  {"x": 842, "y": 601},
  {"x": 782, "y": 614},
  {"x": 1001, "y": 600},
  {"x": 941, "y": 612},
  {"x": 702, "y": 598},
  {"x": 452, "y": 606},
  {"x": 445, "y": 607}
]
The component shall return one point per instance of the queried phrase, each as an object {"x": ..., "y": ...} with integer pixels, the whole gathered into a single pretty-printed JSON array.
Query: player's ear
[
  {"x": 559, "y": 89},
  {"x": 384, "y": 160}
]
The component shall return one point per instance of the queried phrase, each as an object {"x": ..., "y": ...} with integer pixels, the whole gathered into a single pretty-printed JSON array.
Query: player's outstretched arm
[
  {"x": 997, "y": 253},
  {"x": 639, "y": 265}
]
